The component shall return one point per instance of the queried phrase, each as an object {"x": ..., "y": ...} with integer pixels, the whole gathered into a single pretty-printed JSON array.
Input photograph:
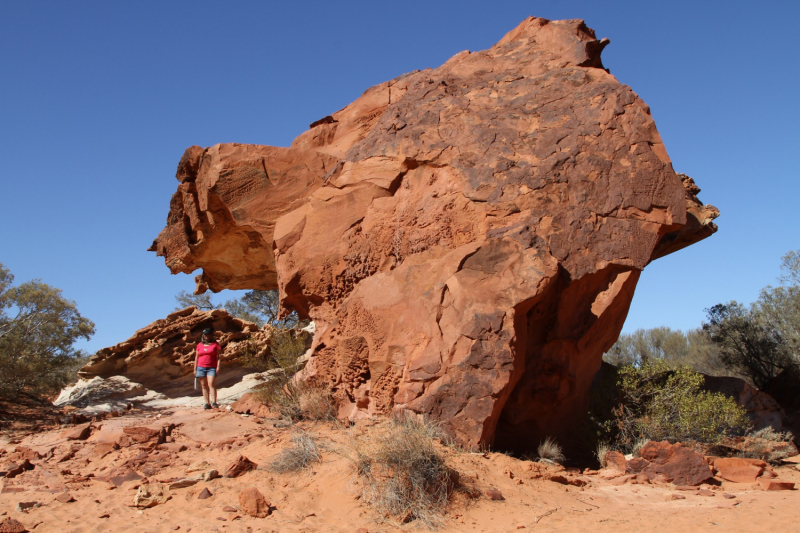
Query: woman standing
[{"x": 206, "y": 366}]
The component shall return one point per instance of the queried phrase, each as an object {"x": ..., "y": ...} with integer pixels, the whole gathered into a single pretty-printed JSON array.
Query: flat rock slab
[
  {"x": 775, "y": 484},
  {"x": 221, "y": 426},
  {"x": 739, "y": 470}
]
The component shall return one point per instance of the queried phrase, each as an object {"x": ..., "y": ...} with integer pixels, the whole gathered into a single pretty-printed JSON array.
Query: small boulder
[
  {"x": 64, "y": 497},
  {"x": 248, "y": 404},
  {"x": 775, "y": 484},
  {"x": 150, "y": 495},
  {"x": 252, "y": 502},
  {"x": 240, "y": 466},
  {"x": 494, "y": 494},
  {"x": 9, "y": 525},
  {"x": 16, "y": 469},
  {"x": 140, "y": 434},
  {"x": 738, "y": 469},
  {"x": 204, "y": 494},
  {"x": 25, "y": 506}
]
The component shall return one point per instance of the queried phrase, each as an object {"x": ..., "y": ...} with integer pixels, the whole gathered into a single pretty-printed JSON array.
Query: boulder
[
  {"x": 81, "y": 432},
  {"x": 252, "y": 502},
  {"x": 10, "y": 525},
  {"x": 240, "y": 466},
  {"x": 159, "y": 359},
  {"x": 762, "y": 409},
  {"x": 150, "y": 495},
  {"x": 674, "y": 463},
  {"x": 248, "y": 404},
  {"x": 738, "y": 469},
  {"x": 775, "y": 484},
  {"x": 467, "y": 239}
]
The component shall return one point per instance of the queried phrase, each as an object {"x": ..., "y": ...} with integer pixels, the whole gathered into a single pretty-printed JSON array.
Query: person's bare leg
[
  {"x": 204, "y": 386},
  {"x": 213, "y": 388}
]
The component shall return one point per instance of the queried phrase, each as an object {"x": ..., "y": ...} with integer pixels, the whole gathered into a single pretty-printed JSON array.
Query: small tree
[
  {"x": 38, "y": 328},
  {"x": 259, "y": 307},
  {"x": 200, "y": 301},
  {"x": 746, "y": 343}
]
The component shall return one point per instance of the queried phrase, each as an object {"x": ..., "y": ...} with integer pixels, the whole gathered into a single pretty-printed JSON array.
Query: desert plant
[
  {"x": 315, "y": 402},
  {"x": 402, "y": 475},
  {"x": 601, "y": 452},
  {"x": 663, "y": 403},
  {"x": 550, "y": 450},
  {"x": 768, "y": 445},
  {"x": 300, "y": 455}
]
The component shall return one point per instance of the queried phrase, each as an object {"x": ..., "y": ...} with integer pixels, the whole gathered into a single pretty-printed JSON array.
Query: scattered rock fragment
[
  {"x": 26, "y": 506},
  {"x": 81, "y": 432},
  {"x": 204, "y": 494},
  {"x": 211, "y": 474},
  {"x": 252, "y": 502},
  {"x": 15, "y": 470},
  {"x": 64, "y": 497},
  {"x": 240, "y": 466},
  {"x": 185, "y": 482},
  {"x": 494, "y": 494},
  {"x": 669, "y": 496},
  {"x": 739, "y": 469},
  {"x": 150, "y": 495},
  {"x": 775, "y": 484}
]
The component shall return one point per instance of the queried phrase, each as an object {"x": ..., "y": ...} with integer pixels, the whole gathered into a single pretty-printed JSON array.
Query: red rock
[
  {"x": 616, "y": 460},
  {"x": 229, "y": 509},
  {"x": 252, "y": 502},
  {"x": 467, "y": 239},
  {"x": 248, "y": 404},
  {"x": 739, "y": 470},
  {"x": 170, "y": 343},
  {"x": 669, "y": 496},
  {"x": 494, "y": 494},
  {"x": 240, "y": 466},
  {"x": 9, "y": 525},
  {"x": 775, "y": 484},
  {"x": 204, "y": 494},
  {"x": 14, "y": 470},
  {"x": 705, "y": 492},
  {"x": 680, "y": 465},
  {"x": 140, "y": 434},
  {"x": 119, "y": 475},
  {"x": 729, "y": 496},
  {"x": 104, "y": 448},
  {"x": 28, "y": 453},
  {"x": 64, "y": 497},
  {"x": 81, "y": 432},
  {"x": 173, "y": 447}
]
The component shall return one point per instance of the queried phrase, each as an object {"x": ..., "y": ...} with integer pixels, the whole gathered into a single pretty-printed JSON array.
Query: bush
[
  {"x": 602, "y": 452},
  {"x": 303, "y": 453},
  {"x": 768, "y": 445},
  {"x": 550, "y": 450},
  {"x": 663, "y": 403},
  {"x": 402, "y": 474},
  {"x": 36, "y": 343}
]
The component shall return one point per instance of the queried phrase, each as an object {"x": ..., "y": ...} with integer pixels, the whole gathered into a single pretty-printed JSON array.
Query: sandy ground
[{"x": 325, "y": 497}]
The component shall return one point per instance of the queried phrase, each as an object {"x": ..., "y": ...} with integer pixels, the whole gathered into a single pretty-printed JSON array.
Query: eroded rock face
[
  {"x": 161, "y": 357},
  {"x": 467, "y": 239}
]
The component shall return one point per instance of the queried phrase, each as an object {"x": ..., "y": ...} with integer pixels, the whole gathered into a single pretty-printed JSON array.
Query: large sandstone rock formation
[
  {"x": 467, "y": 239},
  {"x": 161, "y": 356}
]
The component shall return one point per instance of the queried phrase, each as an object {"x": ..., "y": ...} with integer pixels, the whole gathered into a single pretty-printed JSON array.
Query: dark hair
[{"x": 208, "y": 331}]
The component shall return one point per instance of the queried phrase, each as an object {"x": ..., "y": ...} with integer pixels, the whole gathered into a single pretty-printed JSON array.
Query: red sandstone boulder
[
  {"x": 738, "y": 469},
  {"x": 248, "y": 404},
  {"x": 467, "y": 238},
  {"x": 676, "y": 463},
  {"x": 775, "y": 484},
  {"x": 252, "y": 502},
  {"x": 10, "y": 525},
  {"x": 240, "y": 466},
  {"x": 81, "y": 432}
]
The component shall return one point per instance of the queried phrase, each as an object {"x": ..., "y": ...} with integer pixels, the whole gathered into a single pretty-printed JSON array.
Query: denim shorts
[{"x": 203, "y": 372}]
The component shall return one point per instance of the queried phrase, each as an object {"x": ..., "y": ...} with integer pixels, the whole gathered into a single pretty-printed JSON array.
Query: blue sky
[{"x": 98, "y": 100}]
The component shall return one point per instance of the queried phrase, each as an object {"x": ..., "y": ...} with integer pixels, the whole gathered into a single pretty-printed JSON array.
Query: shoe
[
  {"x": 206, "y": 406},
  {"x": 215, "y": 405}
]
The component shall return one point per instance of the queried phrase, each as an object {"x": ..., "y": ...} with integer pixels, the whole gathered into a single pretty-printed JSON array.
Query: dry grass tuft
[
  {"x": 402, "y": 475},
  {"x": 303, "y": 453},
  {"x": 636, "y": 449},
  {"x": 602, "y": 451},
  {"x": 550, "y": 450},
  {"x": 315, "y": 403},
  {"x": 768, "y": 445}
]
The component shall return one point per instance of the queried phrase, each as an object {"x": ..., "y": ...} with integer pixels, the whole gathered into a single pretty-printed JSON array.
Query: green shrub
[{"x": 663, "y": 403}]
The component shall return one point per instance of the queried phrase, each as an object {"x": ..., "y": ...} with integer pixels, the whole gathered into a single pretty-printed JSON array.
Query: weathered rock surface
[
  {"x": 150, "y": 495},
  {"x": 739, "y": 469},
  {"x": 161, "y": 355},
  {"x": 252, "y": 502},
  {"x": 240, "y": 466},
  {"x": 467, "y": 239},
  {"x": 248, "y": 404}
]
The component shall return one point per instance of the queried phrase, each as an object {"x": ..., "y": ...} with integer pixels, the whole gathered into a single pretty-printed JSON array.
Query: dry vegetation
[
  {"x": 303, "y": 452},
  {"x": 400, "y": 473}
]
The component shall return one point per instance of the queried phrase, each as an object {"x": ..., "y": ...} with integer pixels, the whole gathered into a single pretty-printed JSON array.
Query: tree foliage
[
  {"x": 259, "y": 307},
  {"x": 38, "y": 328},
  {"x": 763, "y": 340}
]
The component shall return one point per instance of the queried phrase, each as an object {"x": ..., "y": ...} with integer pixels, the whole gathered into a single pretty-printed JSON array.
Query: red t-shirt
[{"x": 207, "y": 356}]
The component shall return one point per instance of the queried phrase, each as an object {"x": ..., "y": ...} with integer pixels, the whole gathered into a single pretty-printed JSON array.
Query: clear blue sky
[{"x": 98, "y": 100}]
